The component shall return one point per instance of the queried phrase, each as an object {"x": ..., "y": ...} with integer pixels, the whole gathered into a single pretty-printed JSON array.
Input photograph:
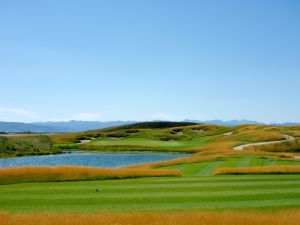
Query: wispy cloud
[
  {"x": 17, "y": 115},
  {"x": 87, "y": 116}
]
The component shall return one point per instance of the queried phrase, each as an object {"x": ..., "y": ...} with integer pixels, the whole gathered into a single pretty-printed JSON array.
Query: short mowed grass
[
  {"x": 259, "y": 192},
  {"x": 196, "y": 189},
  {"x": 178, "y": 145}
]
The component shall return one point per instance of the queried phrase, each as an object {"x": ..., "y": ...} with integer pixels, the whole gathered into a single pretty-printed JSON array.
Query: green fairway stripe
[
  {"x": 245, "y": 161},
  {"x": 231, "y": 162},
  {"x": 229, "y": 181},
  {"x": 181, "y": 197},
  {"x": 227, "y": 178},
  {"x": 165, "y": 203},
  {"x": 228, "y": 192},
  {"x": 178, "y": 194},
  {"x": 158, "y": 189},
  {"x": 194, "y": 168},
  {"x": 134, "y": 186},
  {"x": 208, "y": 170},
  {"x": 255, "y": 161},
  {"x": 270, "y": 162}
]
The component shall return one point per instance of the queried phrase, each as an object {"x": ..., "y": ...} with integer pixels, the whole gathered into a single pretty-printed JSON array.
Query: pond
[{"x": 87, "y": 159}]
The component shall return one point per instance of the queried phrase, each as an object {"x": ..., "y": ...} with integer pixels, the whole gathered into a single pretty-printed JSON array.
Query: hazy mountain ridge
[
  {"x": 225, "y": 123},
  {"x": 17, "y": 127},
  {"x": 78, "y": 126}
]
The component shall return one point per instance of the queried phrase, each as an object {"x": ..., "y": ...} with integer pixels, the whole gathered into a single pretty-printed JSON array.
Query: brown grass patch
[
  {"x": 63, "y": 138},
  {"x": 258, "y": 170},
  {"x": 286, "y": 146},
  {"x": 290, "y": 217},
  {"x": 75, "y": 173}
]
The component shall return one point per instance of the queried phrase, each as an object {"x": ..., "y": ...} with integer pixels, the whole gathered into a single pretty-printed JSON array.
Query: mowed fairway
[
  {"x": 196, "y": 189},
  {"x": 147, "y": 142},
  {"x": 207, "y": 168},
  {"x": 182, "y": 193}
]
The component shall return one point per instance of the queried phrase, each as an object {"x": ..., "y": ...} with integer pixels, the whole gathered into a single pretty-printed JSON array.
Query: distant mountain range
[
  {"x": 239, "y": 122},
  {"x": 78, "y": 126},
  {"x": 58, "y": 127}
]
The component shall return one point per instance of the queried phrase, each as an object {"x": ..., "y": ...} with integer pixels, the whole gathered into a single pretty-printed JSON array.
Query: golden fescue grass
[
  {"x": 287, "y": 146},
  {"x": 251, "y": 136},
  {"x": 258, "y": 170},
  {"x": 75, "y": 173},
  {"x": 291, "y": 217},
  {"x": 63, "y": 138}
]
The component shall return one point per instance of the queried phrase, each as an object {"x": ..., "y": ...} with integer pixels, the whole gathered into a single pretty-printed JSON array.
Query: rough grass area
[
  {"x": 74, "y": 173},
  {"x": 259, "y": 170},
  {"x": 290, "y": 217}
]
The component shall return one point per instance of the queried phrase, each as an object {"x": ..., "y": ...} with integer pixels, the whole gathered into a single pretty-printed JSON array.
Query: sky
[{"x": 149, "y": 60}]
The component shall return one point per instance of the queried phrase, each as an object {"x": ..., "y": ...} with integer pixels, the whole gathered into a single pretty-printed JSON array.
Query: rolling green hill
[{"x": 161, "y": 136}]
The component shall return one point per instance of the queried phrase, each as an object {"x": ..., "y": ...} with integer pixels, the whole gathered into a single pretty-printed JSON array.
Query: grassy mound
[{"x": 152, "y": 125}]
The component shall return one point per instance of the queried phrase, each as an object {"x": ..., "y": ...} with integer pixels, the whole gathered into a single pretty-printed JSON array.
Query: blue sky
[{"x": 151, "y": 59}]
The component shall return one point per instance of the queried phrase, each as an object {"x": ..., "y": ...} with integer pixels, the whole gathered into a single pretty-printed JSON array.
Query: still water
[{"x": 87, "y": 159}]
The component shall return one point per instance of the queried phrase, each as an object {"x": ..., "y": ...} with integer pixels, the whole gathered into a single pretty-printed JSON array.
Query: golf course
[
  {"x": 263, "y": 176},
  {"x": 158, "y": 112}
]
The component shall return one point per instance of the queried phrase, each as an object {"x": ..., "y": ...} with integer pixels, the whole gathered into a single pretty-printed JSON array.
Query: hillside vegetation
[
  {"x": 26, "y": 145},
  {"x": 157, "y": 136}
]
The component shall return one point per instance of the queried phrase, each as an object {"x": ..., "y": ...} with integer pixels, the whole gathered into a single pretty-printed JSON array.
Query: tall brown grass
[
  {"x": 254, "y": 133},
  {"x": 63, "y": 138},
  {"x": 74, "y": 173},
  {"x": 258, "y": 170},
  {"x": 290, "y": 217},
  {"x": 287, "y": 146}
]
